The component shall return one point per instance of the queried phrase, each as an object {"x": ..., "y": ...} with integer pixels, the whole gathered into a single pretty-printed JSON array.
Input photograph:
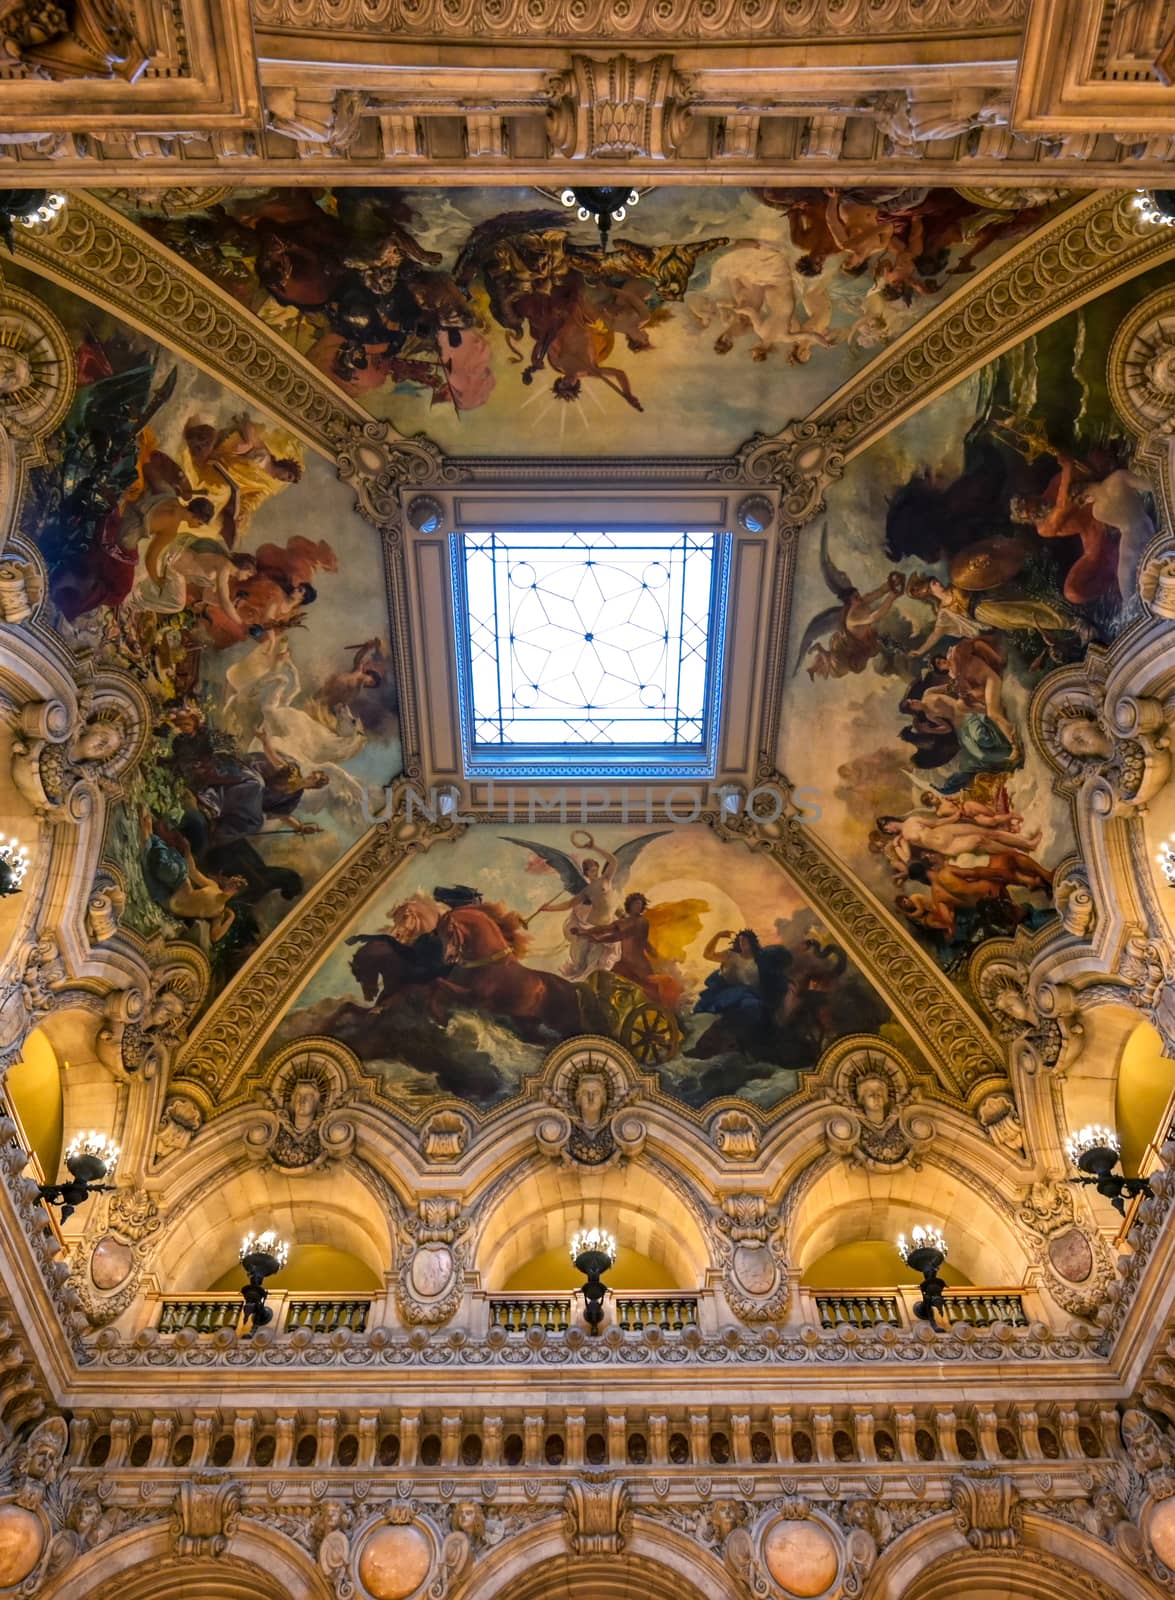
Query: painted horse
[{"x": 485, "y": 973}]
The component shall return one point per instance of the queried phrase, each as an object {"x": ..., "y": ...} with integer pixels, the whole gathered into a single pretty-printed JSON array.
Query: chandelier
[
  {"x": 89, "y": 1158},
  {"x": 1156, "y": 206},
  {"x": 262, "y": 1254},
  {"x": 604, "y": 205},
  {"x": 30, "y": 207},
  {"x": 1166, "y": 860},
  {"x": 925, "y": 1251},
  {"x": 1093, "y": 1150},
  {"x": 593, "y": 1252},
  {"x": 14, "y": 863}
]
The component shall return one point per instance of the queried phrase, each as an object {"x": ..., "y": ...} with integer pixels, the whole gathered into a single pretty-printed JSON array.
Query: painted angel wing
[
  {"x": 627, "y": 853},
  {"x": 841, "y": 585},
  {"x": 570, "y": 876},
  {"x": 821, "y": 624}
]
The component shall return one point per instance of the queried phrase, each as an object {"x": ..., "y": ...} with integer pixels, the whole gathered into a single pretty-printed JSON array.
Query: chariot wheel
[{"x": 649, "y": 1033}]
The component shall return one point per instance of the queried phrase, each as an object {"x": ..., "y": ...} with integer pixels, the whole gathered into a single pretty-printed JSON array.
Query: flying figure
[{"x": 850, "y": 626}]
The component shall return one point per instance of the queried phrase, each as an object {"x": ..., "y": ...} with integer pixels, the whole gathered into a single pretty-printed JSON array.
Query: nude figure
[{"x": 951, "y": 838}]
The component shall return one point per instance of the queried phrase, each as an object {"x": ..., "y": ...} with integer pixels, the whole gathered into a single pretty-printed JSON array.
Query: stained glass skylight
[{"x": 590, "y": 653}]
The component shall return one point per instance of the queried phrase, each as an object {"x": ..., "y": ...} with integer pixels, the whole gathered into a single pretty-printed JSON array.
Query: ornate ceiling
[
  {"x": 311, "y": 300},
  {"x": 985, "y": 538}
]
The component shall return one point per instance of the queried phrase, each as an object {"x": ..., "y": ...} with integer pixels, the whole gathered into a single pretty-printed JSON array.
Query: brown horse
[{"x": 487, "y": 974}]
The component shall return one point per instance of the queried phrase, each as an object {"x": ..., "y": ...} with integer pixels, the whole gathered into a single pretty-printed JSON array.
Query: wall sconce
[
  {"x": 14, "y": 863},
  {"x": 262, "y": 1254},
  {"x": 925, "y": 1251},
  {"x": 1166, "y": 860},
  {"x": 593, "y": 1252},
  {"x": 1094, "y": 1152},
  {"x": 90, "y": 1158}
]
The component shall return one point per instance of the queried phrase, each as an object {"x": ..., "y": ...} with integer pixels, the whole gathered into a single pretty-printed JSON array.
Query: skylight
[{"x": 590, "y": 654}]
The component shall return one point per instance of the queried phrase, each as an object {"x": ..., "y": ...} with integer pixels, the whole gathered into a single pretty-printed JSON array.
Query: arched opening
[
  {"x": 312, "y": 1269},
  {"x": 36, "y": 1100},
  {"x": 869, "y": 1264},
  {"x": 846, "y": 1207},
  {"x": 528, "y": 1231},
  {"x": 1146, "y": 1082},
  {"x": 332, "y": 1216},
  {"x": 140, "y": 1566}
]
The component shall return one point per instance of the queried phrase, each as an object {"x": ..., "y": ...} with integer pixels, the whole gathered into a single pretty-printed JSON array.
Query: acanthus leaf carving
[
  {"x": 205, "y": 1514},
  {"x": 987, "y": 1510},
  {"x": 619, "y": 108},
  {"x": 597, "y": 1517}
]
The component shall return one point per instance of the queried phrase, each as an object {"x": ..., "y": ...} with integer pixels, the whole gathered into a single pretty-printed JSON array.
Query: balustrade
[
  {"x": 670, "y": 1313},
  {"x": 858, "y": 1310},
  {"x": 203, "y": 1313},
  {"x": 521, "y": 1312},
  {"x": 518, "y": 1314}
]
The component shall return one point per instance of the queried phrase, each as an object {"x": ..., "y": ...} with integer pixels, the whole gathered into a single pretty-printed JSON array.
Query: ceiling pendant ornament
[{"x": 603, "y": 206}]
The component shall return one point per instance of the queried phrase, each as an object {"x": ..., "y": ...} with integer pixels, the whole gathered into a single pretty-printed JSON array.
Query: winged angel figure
[
  {"x": 850, "y": 626},
  {"x": 595, "y": 879}
]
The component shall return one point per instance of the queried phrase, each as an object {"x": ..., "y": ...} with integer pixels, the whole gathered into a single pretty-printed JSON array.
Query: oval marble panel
[
  {"x": 1071, "y": 1255},
  {"x": 110, "y": 1262},
  {"x": 1160, "y": 1529},
  {"x": 801, "y": 1557},
  {"x": 754, "y": 1267},
  {"x": 431, "y": 1271},
  {"x": 22, "y": 1538},
  {"x": 394, "y": 1562}
]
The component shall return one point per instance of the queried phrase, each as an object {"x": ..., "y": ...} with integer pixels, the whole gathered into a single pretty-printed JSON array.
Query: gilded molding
[
  {"x": 249, "y": 1008},
  {"x": 952, "y": 1036},
  {"x": 1082, "y": 253},
  {"x": 103, "y": 257}
]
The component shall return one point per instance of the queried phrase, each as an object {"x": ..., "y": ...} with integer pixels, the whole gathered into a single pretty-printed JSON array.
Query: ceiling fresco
[
  {"x": 992, "y": 537},
  {"x": 490, "y": 318},
  {"x": 697, "y": 956},
  {"x": 193, "y": 543},
  {"x": 989, "y": 539}
]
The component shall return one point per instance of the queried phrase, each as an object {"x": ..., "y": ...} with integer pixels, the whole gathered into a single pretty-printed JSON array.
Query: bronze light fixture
[
  {"x": 262, "y": 1254},
  {"x": 1094, "y": 1152},
  {"x": 89, "y": 1158},
  {"x": 925, "y": 1251},
  {"x": 593, "y": 1252},
  {"x": 14, "y": 863}
]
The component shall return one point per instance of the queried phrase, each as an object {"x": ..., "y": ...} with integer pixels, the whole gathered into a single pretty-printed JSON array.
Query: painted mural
[
  {"x": 484, "y": 315},
  {"x": 697, "y": 956},
  {"x": 991, "y": 538},
  {"x": 193, "y": 543}
]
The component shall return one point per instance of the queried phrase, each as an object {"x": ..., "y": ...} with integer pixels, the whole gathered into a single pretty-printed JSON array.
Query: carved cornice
[
  {"x": 772, "y": 1353},
  {"x": 645, "y": 21},
  {"x": 100, "y": 255}
]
